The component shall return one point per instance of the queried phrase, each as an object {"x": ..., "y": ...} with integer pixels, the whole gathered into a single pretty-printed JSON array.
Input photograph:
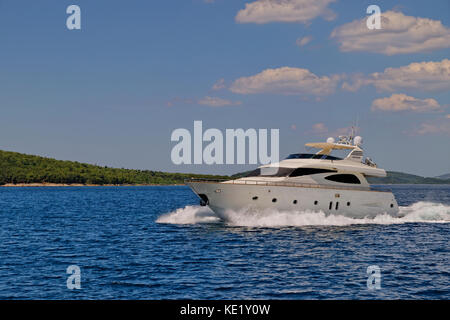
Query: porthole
[
  {"x": 316, "y": 202},
  {"x": 337, "y": 205},
  {"x": 255, "y": 198},
  {"x": 392, "y": 205},
  {"x": 348, "y": 204},
  {"x": 331, "y": 205},
  {"x": 274, "y": 200},
  {"x": 294, "y": 202}
]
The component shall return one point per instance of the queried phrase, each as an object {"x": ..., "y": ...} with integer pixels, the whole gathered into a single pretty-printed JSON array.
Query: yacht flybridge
[{"x": 305, "y": 182}]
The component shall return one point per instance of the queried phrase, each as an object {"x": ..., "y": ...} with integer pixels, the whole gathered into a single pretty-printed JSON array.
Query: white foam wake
[
  {"x": 189, "y": 215},
  {"x": 428, "y": 212}
]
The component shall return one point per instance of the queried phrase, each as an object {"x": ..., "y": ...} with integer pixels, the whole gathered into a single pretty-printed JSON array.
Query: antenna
[{"x": 354, "y": 129}]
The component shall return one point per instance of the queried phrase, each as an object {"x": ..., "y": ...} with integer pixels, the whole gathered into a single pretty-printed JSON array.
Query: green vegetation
[
  {"x": 444, "y": 176},
  {"x": 21, "y": 168}
]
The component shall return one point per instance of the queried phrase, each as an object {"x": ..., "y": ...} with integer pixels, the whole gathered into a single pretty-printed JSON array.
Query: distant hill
[
  {"x": 394, "y": 177},
  {"x": 18, "y": 168},
  {"x": 444, "y": 176}
]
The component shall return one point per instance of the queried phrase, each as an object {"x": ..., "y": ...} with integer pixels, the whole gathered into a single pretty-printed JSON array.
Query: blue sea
[{"x": 157, "y": 243}]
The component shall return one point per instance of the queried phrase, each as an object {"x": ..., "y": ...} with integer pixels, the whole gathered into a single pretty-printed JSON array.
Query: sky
[{"x": 113, "y": 92}]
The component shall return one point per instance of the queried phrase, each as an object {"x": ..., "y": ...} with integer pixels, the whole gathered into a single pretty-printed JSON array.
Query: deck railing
[{"x": 287, "y": 184}]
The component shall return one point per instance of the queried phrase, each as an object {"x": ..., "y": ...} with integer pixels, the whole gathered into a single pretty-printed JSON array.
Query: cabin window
[
  {"x": 348, "y": 204},
  {"x": 316, "y": 202},
  {"x": 295, "y": 202},
  {"x": 270, "y": 172},
  {"x": 392, "y": 205},
  {"x": 337, "y": 205},
  {"x": 344, "y": 178},
  {"x": 255, "y": 198},
  {"x": 308, "y": 171},
  {"x": 331, "y": 205},
  {"x": 274, "y": 200}
]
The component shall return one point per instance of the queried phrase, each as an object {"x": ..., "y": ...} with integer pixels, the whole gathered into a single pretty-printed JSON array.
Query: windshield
[{"x": 312, "y": 156}]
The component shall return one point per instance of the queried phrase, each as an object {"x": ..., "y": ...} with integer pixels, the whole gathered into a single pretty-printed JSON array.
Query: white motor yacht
[{"x": 316, "y": 182}]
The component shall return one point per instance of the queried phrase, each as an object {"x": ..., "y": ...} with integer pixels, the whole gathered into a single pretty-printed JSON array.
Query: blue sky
[{"x": 112, "y": 92}]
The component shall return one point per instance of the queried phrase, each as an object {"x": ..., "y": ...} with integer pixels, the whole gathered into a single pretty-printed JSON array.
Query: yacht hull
[{"x": 222, "y": 197}]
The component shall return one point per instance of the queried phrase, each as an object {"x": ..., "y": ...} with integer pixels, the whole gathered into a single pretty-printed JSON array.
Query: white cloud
[
  {"x": 354, "y": 81},
  {"x": 418, "y": 76},
  {"x": 286, "y": 80},
  {"x": 302, "y": 11},
  {"x": 424, "y": 76},
  {"x": 399, "y": 34},
  {"x": 434, "y": 127},
  {"x": 303, "y": 41},
  {"x": 206, "y": 101},
  {"x": 178, "y": 100},
  {"x": 319, "y": 128},
  {"x": 217, "y": 102},
  {"x": 402, "y": 102},
  {"x": 220, "y": 84}
]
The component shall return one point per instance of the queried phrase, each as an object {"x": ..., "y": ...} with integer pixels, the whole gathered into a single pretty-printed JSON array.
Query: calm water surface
[{"x": 156, "y": 243}]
